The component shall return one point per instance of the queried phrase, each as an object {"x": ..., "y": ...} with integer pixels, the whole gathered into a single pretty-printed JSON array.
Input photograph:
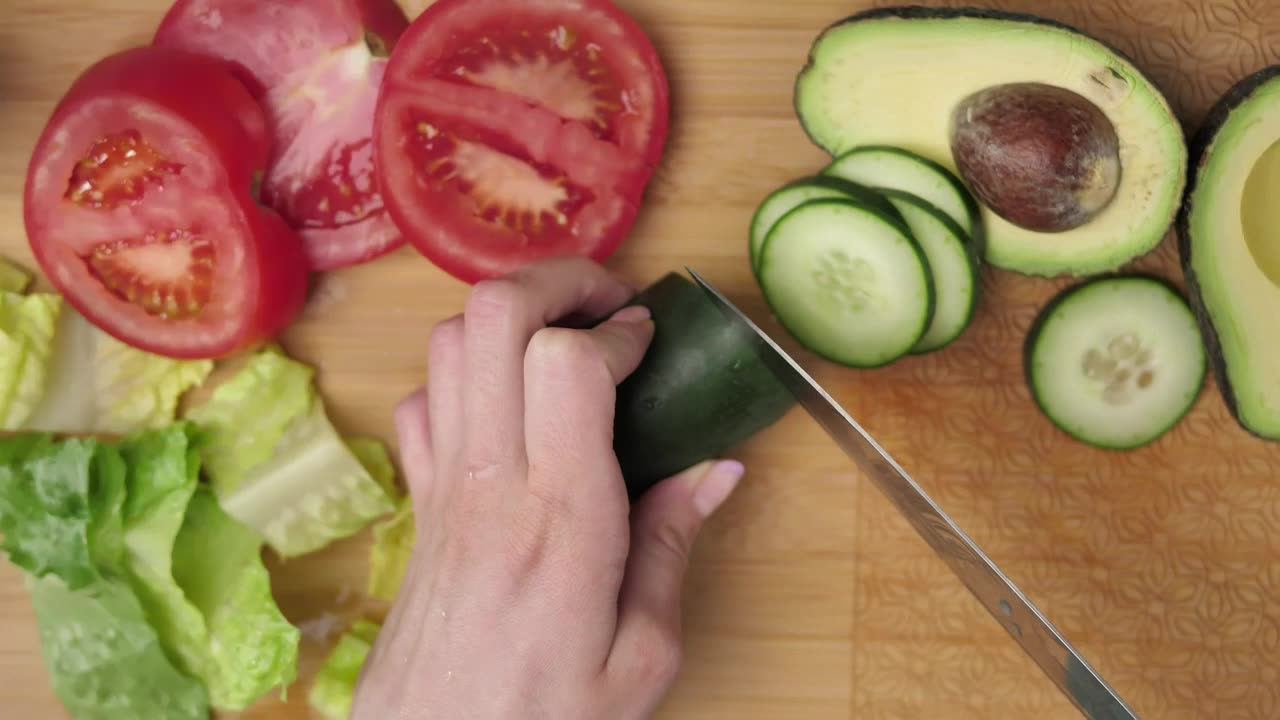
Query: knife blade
[{"x": 1010, "y": 607}]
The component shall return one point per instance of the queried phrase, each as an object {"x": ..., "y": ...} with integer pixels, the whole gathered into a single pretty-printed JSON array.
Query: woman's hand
[{"x": 534, "y": 591}]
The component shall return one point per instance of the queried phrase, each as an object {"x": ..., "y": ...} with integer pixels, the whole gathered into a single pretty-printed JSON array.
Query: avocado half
[
  {"x": 891, "y": 76},
  {"x": 1229, "y": 242}
]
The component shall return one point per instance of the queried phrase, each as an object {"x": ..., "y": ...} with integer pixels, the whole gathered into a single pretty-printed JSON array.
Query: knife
[{"x": 1006, "y": 603}]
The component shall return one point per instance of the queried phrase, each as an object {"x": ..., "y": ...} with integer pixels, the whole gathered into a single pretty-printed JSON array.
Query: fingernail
[
  {"x": 714, "y": 487},
  {"x": 632, "y": 314}
]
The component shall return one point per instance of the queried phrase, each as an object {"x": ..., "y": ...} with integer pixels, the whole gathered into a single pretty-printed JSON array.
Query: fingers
[
  {"x": 501, "y": 318},
  {"x": 445, "y": 378},
  {"x": 666, "y": 521},
  {"x": 413, "y": 430},
  {"x": 570, "y": 392}
]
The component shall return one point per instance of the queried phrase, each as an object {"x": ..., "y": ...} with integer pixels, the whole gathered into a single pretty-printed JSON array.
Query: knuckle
[
  {"x": 671, "y": 541},
  {"x": 660, "y": 656},
  {"x": 570, "y": 352},
  {"x": 495, "y": 298}
]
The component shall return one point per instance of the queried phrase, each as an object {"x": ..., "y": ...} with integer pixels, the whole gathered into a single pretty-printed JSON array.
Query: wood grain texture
[{"x": 809, "y": 597}]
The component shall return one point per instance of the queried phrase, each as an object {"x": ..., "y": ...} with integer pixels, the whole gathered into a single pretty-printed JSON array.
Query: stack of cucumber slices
[
  {"x": 873, "y": 259},
  {"x": 877, "y": 257}
]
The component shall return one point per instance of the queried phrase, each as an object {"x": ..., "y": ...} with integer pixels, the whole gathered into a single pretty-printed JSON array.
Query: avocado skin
[
  {"x": 1199, "y": 147},
  {"x": 921, "y": 12}
]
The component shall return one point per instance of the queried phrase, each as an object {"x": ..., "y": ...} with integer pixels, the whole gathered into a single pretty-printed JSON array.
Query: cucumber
[
  {"x": 953, "y": 263},
  {"x": 849, "y": 282},
  {"x": 877, "y": 166},
  {"x": 1116, "y": 361},
  {"x": 786, "y": 198},
  {"x": 699, "y": 391}
]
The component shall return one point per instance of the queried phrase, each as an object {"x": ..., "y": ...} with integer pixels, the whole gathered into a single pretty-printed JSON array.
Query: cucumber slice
[
  {"x": 849, "y": 282},
  {"x": 1116, "y": 362},
  {"x": 877, "y": 166},
  {"x": 786, "y": 198},
  {"x": 953, "y": 263}
]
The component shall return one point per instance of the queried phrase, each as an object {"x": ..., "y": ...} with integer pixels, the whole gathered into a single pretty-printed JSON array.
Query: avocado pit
[{"x": 1042, "y": 157}]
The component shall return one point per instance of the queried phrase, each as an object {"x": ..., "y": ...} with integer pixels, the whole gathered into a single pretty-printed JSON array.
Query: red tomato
[
  {"x": 316, "y": 67},
  {"x": 139, "y": 207},
  {"x": 510, "y": 131}
]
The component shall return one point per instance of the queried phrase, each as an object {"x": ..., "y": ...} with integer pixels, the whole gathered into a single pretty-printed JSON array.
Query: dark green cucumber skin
[
  {"x": 1047, "y": 312},
  {"x": 1200, "y": 146},
  {"x": 700, "y": 390},
  {"x": 852, "y": 190}
]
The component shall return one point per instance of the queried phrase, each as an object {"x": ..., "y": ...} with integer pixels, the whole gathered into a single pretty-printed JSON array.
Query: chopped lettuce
[
  {"x": 392, "y": 546},
  {"x": 60, "y": 507},
  {"x": 13, "y": 279},
  {"x": 27, "y": 324},
  {"x": 334, "y": 687},
  {"x": 200, "y": 576},
  {"x": 97, "y": 384},
  {"x": 124, "y": 534},
  {"x": 278, "y": 465},
  {"x": 104, "y": 660},
  {"x": 373, "y": 455}
]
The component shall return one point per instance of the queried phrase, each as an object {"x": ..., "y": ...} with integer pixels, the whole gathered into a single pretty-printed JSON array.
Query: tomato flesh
[
  {"x": 138, "y": 208},
  {"x": 316, "y": 67},
  {"x": 509, "y": 132}
]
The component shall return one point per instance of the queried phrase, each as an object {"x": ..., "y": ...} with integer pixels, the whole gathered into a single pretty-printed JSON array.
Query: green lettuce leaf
[
  {"x": 252, "y": 647},
  {"x": 27, "y": 324},
  {"x": 13, "y": 279},
  {"x": 278, "y": 465},
  {"x": 389, "y": 557},
  {"x": 97, "y": 384},
  {"x": 62, "y": 510},
  {"x": 199, "y": 575},
  {"x": 60, "y": 507},
  {"x": 372, "y": 454},
  {"x": 104, "y": 660},
  {"x": 334, "y": 687}
]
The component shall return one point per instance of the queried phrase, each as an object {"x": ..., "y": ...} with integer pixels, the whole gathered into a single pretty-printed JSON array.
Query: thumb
[{"x": 665, "y": 523}]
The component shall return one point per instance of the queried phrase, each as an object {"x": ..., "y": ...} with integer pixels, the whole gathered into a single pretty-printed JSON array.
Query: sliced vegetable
[
  {"x": 847, "y": 281},
  {"x": 27, "y": 325},
  {"x": 508, "y": 132},
  {"x": 200, "y": 577},
  {"x": 105, "y": 662},
  {"x": 1116, "y": 362},
  {"x": 140, "y": 208},
  {"x": 953, "y": 265},
  {"x": 898, "y": 169},
  {"x": 316, "y": 67},
  {"x": 786, "y": 198},
  {"x": 278, "y": 465},
  {"x": 334, "y": 689},
  {"x": 389, "y": 557},
  {"x": 60, "y": 508},
  {"x": 13, "y": 279},
  {"x": 700, "y": 390},
  {"x": 97, "y": 384}
]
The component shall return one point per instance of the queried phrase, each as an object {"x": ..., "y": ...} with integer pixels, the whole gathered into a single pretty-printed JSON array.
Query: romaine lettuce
[
  {"x": 334, "y": 687},
  {"x": 13, "y": 279},
  {"x": 27, "y": 324},
  {"x": 389, "y": 557},
  {"x": 278, "y": 465},
  {"x": 97, "y": 384}
]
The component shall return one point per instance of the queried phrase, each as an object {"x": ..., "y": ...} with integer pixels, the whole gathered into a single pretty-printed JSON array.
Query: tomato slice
[
  {"x": 316, "y": 68},
  {"x": 507, "y": 132},
  {"x": 139, "y": 207}
]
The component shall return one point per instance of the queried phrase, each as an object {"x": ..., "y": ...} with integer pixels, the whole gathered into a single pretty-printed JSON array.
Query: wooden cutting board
[{"x": 809, "y": 598}]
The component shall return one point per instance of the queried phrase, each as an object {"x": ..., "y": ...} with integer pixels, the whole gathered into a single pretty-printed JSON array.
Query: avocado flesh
[
  {"x": 1229, "y": 232},
  {"x": 892, "y": 77}
]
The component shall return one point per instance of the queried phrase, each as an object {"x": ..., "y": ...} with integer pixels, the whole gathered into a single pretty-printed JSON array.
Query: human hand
[{"x": 535, "y": 590}]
